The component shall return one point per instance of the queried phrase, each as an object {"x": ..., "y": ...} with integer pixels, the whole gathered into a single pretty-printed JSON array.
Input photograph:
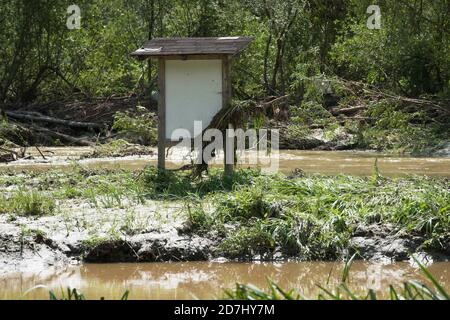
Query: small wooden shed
[{"x": 194, "y": 80}]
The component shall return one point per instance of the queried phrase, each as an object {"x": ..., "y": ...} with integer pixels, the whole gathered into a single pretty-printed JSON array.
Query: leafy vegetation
[
  {"x": 315, "y": 216},
  {"x": 304, "y": 49},
  {"x": 292, "y": 40}
]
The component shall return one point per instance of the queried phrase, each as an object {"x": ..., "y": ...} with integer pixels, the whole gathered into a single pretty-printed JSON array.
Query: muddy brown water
[
  {"x": 207, "y": 280},
  {"x": 322, "y": 162}
]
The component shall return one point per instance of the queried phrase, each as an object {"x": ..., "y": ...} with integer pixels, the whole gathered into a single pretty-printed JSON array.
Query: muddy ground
[
  {"x": 152, "y": 232},
  {"x": 79, "y": 231}
]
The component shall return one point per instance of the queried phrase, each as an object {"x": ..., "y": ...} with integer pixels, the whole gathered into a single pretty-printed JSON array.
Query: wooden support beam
[
  {"x": 226, "y": 99},
  {"x": 195, "y": 57},
  {"x": 162, "y": 114}
]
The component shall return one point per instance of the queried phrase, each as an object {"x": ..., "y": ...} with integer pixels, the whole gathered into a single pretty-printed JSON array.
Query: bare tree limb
[
  {"x": 65, "y": 137},
  {"x": 41, "y": 118}
]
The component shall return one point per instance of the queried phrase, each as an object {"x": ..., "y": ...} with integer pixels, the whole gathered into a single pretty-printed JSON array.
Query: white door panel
[{"x": 193, "y": 92}]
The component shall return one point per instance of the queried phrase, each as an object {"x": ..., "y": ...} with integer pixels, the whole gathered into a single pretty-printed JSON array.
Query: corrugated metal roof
[{"x": 190, "y": 46}]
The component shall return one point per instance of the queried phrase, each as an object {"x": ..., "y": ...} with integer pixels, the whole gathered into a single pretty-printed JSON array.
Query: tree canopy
[{"x": 294, "y": 40}]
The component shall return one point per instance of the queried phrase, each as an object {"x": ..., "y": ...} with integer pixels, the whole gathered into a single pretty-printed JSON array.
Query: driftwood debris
[
  {"x": 272, "y": 101},
  {"x": 34, "y": 116},
  {"x": 370, "y": 90},
  {"x": 64, "y": 137},
  {"x": 347, "y": 111},
  {"x": 8, "y": 155},
  {"x": 237, "y": 115}
]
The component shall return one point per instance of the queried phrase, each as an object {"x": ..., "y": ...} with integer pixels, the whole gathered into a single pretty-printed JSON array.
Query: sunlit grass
[{"x": 27, "y": 203}]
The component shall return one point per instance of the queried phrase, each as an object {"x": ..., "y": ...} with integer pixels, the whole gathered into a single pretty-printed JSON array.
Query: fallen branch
[
  {"x": 33, "y": 116},
  {"x": 347, "y": 111},
  {"x": 267, "y": 104},
  {"x": 377, "y": 92},
  {"x": 65, "y": 137},
  {"x": 11, "y": 155},
  {"x": 9, "y": 151},
  {"x": 40, "y": 152},
  {"x": 8, "y": 157}
]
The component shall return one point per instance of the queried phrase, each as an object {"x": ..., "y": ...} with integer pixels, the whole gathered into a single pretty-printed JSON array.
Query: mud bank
[
  {"x": 84, "y": 234},
  {"x": 159, "y": 233},
  {"x": 74, "y": 215}
]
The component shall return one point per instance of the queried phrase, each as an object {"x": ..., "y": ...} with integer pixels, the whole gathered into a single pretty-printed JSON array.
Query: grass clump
[
  {"x": 412, "y": 290},
  {"x": 27, "y": 203},
  {"x": 315, "y": 216},
  {"x": 172, "y": 185},
  {"x": 248, "y": 203},
  {"x": 248, "y": 241},
  {"x": 74, "y": 294},
  {"x": 199, "y": 220},
  {"x": 311, "y": 216}
]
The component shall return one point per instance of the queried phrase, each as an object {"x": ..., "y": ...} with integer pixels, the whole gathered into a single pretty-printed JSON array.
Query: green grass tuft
[{"x": 27, "y": 203}]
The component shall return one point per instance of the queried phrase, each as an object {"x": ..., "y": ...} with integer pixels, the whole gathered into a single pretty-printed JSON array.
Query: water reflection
[{"x": 205, "y": 280}]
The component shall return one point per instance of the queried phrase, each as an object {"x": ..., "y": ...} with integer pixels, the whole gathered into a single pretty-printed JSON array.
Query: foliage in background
[
  {"x": 298, "y": 45},
  {"x": 139, "y": 127},
  {"x": 292, "y": 39}
]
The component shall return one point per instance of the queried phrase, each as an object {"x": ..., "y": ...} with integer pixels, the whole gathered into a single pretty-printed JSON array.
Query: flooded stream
[
  {"x": 322, "y": 162},
  {"x": 206, "y": 280}
]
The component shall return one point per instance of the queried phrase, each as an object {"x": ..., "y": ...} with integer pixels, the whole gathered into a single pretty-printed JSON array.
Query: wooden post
[
  {"x": 226, "y": 99},
  {"x": 162, "y": 114}
]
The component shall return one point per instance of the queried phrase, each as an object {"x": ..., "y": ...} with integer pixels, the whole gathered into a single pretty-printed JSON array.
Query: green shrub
[
  {"x": 397, "y": 130},
  {"x": 311, "y": 112}
]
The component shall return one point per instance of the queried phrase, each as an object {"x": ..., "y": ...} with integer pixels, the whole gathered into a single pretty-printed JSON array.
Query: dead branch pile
[
  {"x": 37, "y": 117},
  {"x": 237, "y": 115},
  {"x": 367, "y": 92}
]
